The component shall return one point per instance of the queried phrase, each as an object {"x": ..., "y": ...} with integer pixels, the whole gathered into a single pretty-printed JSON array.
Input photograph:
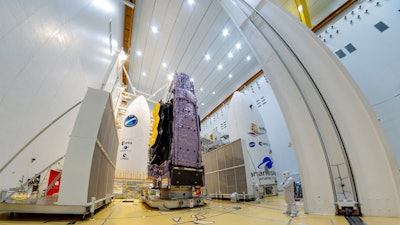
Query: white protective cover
[
  {"x": 134, "y": 136},
  {"x": 245, "y": 122}
]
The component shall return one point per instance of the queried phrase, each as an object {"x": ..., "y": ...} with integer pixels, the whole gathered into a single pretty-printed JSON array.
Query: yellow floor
[{"x": 269, "y": 211}]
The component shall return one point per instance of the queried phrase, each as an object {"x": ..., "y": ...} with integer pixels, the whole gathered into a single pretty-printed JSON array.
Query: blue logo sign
[
  {"x": 267, "y": 161},
  {"x": 252, "y": 144},
  {"x": 131, "y": 121}
]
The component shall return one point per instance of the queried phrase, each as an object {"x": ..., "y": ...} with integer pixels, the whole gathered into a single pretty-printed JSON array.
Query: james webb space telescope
[{"x": 175, "y": 150}]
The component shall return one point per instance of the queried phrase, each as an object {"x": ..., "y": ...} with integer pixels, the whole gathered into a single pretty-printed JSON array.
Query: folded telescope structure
[{"x": 175, "y": 152}]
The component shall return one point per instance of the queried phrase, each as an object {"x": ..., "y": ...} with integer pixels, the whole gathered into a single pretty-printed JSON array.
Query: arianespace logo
[
  {"x": 267, "y": 161},
  {"x": 131, "y": 121}
]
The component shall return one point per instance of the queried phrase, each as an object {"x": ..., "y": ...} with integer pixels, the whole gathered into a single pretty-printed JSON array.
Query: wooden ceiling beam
[{"x": 128, "y": 24}]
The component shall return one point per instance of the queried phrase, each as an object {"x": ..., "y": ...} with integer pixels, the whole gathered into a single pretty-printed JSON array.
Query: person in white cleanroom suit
[{"x": 288, "y": 192}]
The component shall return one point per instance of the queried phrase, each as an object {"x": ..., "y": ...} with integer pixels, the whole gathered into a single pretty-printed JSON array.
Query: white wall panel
[
  {"x": 50, "y": 53},
  {"x": 374, "y": 64}
]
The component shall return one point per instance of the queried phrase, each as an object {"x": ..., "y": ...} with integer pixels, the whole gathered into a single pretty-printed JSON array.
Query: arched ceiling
[{"x": 188, "y": 36}]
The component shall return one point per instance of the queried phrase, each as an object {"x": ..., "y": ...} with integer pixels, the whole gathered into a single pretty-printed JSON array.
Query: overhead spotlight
[
  {"x": 220, "y": 67},
  {"x": 230, "y": 55},
  {"x": 139, "y": 53},
  {"x": 202, "y": 103},
  {"x": 144, "y": 74},
  {"x": 170, "y": 76},
  {"x": 164, "y": 65},
  {"x": 238, "y": 46},
  {"x": 201, "y": 89},
  {"x": 248, "y": 58},
  {"x": 300, "y": 8},
  {"x": 191, "y": 2},
  {"x": 213, "y": 92},
  {"x": 154, "y": 29},
  {"x": 208, "y": 57},
  {"x": 230, "y": 75},
  {"x": 225, "y": 32},
  {"x": 123, "y": 56}
]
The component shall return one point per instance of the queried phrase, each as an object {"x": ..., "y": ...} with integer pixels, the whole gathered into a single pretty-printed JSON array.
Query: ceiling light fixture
[
  {"x": 191, "y": 2},
  {"x": 230, "y": 75},
  {"x": 144, "y": 74},
  {"x": 201, "y": 89},
  {"x": 208, "y": 57},
  {"x": 225, "y": 32},
  {"x": 104, "y": 5},
  {"x": 248, "y": 58},
  {"x": 238, "y": 46},
  {"x": 139, "y": 53},
  {"x": 123, "y": 56},
  {"x": 230, "y": 55},
  {"x": 170, "y": 76},
  {"x": 154, "y": 29},
  {"x": 164, "y": 65},
  {"x": 220, "y": 67},
  {"x": 202, "y": 103},
  {"x": 213, "y": 92},
  {"x": 300, "y": 8}
]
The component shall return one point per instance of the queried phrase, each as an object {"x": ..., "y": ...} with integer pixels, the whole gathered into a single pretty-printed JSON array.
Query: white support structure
[
  {"x": 89, "y": 165},
  {"x": 328, "y": 117}
]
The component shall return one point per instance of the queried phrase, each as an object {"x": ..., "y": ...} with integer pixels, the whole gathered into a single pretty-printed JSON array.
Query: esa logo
[
  {"x": 131, "y": 121},
  {"x": 124, "y": 157}
]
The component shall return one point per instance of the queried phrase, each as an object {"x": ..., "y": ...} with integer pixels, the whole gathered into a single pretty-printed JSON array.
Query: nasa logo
[
  {"x": 252, "y": 144},
  {"x": 131, "y": 121},
  {"x": 125, "y": 147}
]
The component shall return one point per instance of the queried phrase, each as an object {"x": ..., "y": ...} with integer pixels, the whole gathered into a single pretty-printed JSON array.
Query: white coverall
[{"x": 288, "y": 191}]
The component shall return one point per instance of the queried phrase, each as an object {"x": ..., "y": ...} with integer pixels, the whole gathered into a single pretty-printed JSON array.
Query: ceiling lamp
[
  {"x": 139, "y": 53},
  {"x": 230, "y": 55},
  {"x": 154, "y": 29},
  {"x": 300, "y": 8},
  {"x": 208, "y": 57},
  {"x": 220, "y": 67},
  {"x": 248, "y": 58},
  {"x": 225, "y": 32},
  {"x": 238, "y": 46}
]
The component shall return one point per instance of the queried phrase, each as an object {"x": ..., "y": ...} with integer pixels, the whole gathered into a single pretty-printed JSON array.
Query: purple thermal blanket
[
  {"x": 185, "y": 148},
  {"x": 184, "y": 138}
]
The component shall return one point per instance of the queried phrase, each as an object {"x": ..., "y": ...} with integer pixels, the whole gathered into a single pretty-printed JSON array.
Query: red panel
[{"x": 53, "y": 186}]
